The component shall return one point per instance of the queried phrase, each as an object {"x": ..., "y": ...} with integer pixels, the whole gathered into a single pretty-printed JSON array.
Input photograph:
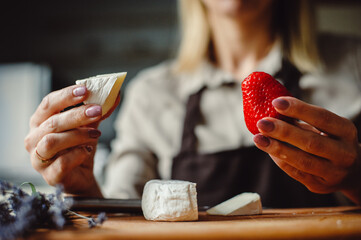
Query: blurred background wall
[{"x": 53, "y": 43}]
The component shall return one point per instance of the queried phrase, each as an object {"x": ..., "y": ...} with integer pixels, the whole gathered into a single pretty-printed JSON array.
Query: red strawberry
[{"x": 259, "y": 89}]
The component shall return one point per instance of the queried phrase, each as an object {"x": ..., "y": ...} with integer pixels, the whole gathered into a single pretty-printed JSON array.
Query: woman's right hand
[{"x": 62, "y": 143}]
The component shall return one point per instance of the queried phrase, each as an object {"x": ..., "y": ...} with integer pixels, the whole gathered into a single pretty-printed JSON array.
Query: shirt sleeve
[{"x": 131, "y": 163}]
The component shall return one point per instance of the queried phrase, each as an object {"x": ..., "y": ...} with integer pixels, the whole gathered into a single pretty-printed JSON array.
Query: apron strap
[
  {"x": 192, "y": 118},
  {"x": 290, "y": 76}
]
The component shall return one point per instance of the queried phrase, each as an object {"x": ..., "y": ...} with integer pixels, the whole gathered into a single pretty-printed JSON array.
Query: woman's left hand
[{"x": 321, "y": 151}]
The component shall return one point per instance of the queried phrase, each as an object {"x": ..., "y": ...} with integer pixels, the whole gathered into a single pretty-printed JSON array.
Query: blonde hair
[{"x": 293, "y": 22}]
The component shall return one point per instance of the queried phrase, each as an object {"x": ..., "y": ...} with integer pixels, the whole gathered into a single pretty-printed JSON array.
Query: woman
[{"x": 183, "y": 119}]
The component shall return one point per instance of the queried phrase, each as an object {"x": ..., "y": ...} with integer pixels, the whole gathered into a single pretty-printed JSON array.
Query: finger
[
  {"x": 64, "y": 164},
  {"x": 74, "y": 118},
  {"x": 313, "y": 183},
  {"x": 57, "y": 101},
  {"x": 318, "y": 117},
  {"x": 299, "y": 159},
  {"x": 64, "y": 121},
  {"x": 337, "y": 152},
  {"x": 53, "y": 143},
  {"x": 96, "y": 124}
]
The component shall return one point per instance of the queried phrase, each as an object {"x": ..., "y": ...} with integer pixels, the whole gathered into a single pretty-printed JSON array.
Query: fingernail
[
  {"x": 79, "y": 91},
  {"x": 93, "y": 111},
  {"x": 89, "y": 148},
  {"x": 261, "y": 140},
  {"x": 265, "y": 125},
  {"x": 280, "y": 104},
  {"x": 94, "y": 133}
]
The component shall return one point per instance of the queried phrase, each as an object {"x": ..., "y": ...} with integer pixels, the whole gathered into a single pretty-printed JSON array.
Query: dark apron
[{"x": 222, "y": 175}]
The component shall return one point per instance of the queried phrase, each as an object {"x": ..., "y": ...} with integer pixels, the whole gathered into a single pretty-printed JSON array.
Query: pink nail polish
[
  {"x": 265, "y": 125},
  {"x": 94, "y": 133},
  {"x": 93, "y": 111},
  {"x": 261, "y": 140},
  {"x": 280, "y": 103},
  {"x": 79, "y": 91}
]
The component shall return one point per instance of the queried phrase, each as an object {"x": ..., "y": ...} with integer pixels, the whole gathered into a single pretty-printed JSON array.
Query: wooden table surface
[{"x": 303, "y": 223}]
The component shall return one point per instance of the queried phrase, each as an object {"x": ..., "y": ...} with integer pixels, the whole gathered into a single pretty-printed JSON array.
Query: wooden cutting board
[{"x": 310, "y": 223}]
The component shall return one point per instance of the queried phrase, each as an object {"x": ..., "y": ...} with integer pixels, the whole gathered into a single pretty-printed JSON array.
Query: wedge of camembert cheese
[
  {"x": 242, "y": 204},
  {"x": 103, "y": 89},
  {"x": 170, "y": 200}
]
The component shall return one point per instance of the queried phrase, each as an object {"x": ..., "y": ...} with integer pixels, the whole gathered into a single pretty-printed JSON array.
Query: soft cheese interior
[
  {"x": 242, "y": 204},
  {"x": 170, "y": 200},
  {"x": 103, "y": 89}
]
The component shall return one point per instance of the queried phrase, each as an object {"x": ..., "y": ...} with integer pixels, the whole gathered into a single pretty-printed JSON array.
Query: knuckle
[
  {"x": 334, "y": 180},
  {"x": 69, "y": 91},
  {"x": 282, "y": 164},
  {"x": 79, "y": 116},
  {"x": 308, "y": 164},
  {"x": 285, "y": 132},
  {"x": 354, "y": 131},
  {"x": 349, "y": 157},
  {"x": 49, "y": 142},
  {"x": 55, "y": 172},
  {"x": 50, "y": 179},
  {"x": 51, "y": 124},
  {"x": 32, "y": 121},
  {"x": 296, "y": 106},
  {"x": 34, "y": 165},
  {"x": 62, "y": 167},
  {"x": 311, "y": 188},
  {"x": 298, "y": 174},
  {"x": 45, "y": 103},
  {"x": 351, "y": 131},
  {"x": 276, "y": 149},
  {"x": 324, "y": 118},
  {"x": 313, "y": 144},
  {"x": 27, "y": 143},
  {"x": 50, "y": 176},
  {"x": 316, "y": 187},
  {"x": 321, "y": 185},
  {"x": 66, "y": 94}
]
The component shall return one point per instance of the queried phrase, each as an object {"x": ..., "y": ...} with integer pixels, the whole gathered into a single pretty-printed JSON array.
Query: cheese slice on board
[
  {"x": 242, "y": 204},
  {"x": 103, "y": 89},
  {"x": 170, "y": 200}
]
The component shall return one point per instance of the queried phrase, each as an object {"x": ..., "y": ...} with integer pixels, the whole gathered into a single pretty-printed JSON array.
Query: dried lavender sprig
[
  {"x": 21, "y": 213},
  {"x": 91, "y": 221}
]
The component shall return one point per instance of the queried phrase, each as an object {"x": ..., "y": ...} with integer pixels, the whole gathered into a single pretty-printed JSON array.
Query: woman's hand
[
  {"x": 322, "y": 151},
  {"x": 62, "y": 143}
]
